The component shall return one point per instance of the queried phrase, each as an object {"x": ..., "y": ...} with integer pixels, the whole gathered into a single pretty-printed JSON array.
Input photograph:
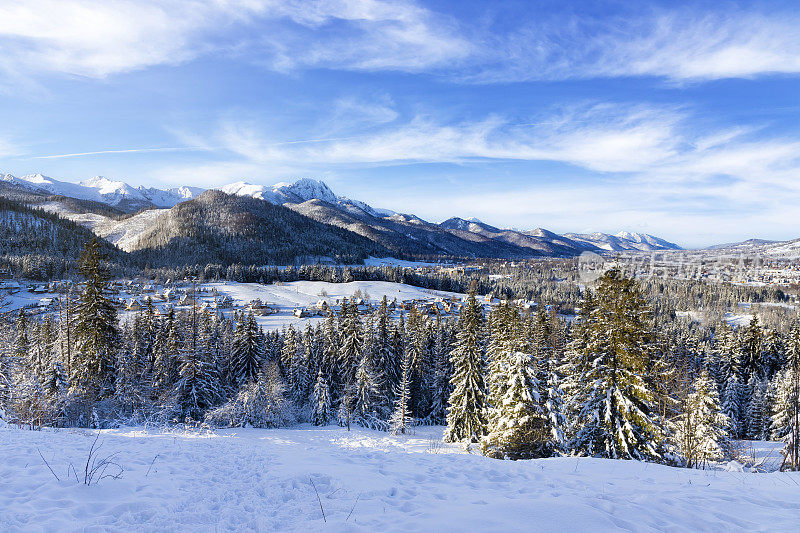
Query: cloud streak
[{"x": 124, "y": 151}]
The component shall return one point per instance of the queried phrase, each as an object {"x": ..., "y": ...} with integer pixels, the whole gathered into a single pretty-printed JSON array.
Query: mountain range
[{"x": 123, "y": 214}]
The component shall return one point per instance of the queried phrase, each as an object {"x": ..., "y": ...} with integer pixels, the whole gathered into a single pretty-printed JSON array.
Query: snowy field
[
  {"x": 288, "y": 296},
  {"x": 268, "y": 480}
]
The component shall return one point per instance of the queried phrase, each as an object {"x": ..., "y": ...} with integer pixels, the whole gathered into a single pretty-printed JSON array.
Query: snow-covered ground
[
  {"x": 268, "y": 480},
  {"x": 288, "y": 296},
  {"x": 392, "y": 261},
  {"x": 125, "y": 233}
]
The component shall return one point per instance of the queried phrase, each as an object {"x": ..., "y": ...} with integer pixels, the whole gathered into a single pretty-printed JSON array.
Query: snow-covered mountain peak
[{"x": 310, "y": 189}]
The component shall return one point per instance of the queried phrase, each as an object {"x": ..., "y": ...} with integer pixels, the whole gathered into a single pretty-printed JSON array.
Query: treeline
[{"x": 617, "y": 382}]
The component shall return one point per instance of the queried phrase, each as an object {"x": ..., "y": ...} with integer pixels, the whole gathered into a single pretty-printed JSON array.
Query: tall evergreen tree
[
  {"x": 466, "y": 417},
  {"x": 401, "y": 418},
  {"x": 518, "y": 427},
  {"x": 96, "y": 332},
  {"x": 618, "y": 419},
  {"x": 247, "y": 349},
  {"x": 701, "y": 429},
  {"x": 786, "y": 410},
  {"x": 322, "y": 401}
]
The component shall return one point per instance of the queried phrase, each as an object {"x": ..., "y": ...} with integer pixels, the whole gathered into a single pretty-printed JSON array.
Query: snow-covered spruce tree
[
  {"x": 401, "y": 418},
  {"x": 701, "y": 429},
  {"x": 773, "y": 353},
  {"x": 247, "y": 349},
  {"x": 726, "y": 355},
  {"x": 350, "y": 354},
  {"x": 321, "y": 415},
  {"x": 548, "y": 347},
  {"x": 732, "y": 406},
  {"x": 757, "y": 415},
  {"x": 466, "y": 417},
  {"x": 786, "y": 409},
  {"x": 352, "y": 338},
  {"x": 416, "y": 346},
  {"x": 442, "y": 373},
  {"x": 751, "y": 341},
  {"x": 9, "y": 361},
  {"x": 366, "y": 390},
  {"x": 165, "y": 352},
  {"x": 22, "y": 341},
  {"x": 575, "y": 365},
  {"x": 518, "y": 428},
  {"x": 618, "y": 419},
  {"x": 386, "y": 361},
  {"x": 95, "y": 327},
  {"x": 199, "y": 385},
  {"x": 505, "y": 339},
  {"x": 330, "y": 357}
]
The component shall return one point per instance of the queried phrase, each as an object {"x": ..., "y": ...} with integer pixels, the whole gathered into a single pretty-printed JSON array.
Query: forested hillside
[
  {"x": 224, "y": 229},
  {"x": 39, "y": 245}
]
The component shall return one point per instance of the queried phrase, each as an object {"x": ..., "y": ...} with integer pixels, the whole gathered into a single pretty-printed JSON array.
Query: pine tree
[
  {"x": 442, "y": 373},
  {"x": 365, "y": 392},
  {"x": 322, "y": 401},
  {"x": 757, "y": 410},
  {"x": 618, "y": 419},
  {"x": 519, "y": 428},
  {"x": 575, "y": 366},
  {"x": 95, "y": 326},
  {"x": 701, "y": 429},
  {"x": 466, "y": 418},
  {"x": 732, "y": 405},
  {"x": 751, "y": 361},
  {"x": 401, "y": 418},
  {"x": 247, "y": 349},
  {"x": 166, "y": 347},
  {"x": 350, "y": 354},
  {"x": 786, "y": 410},
  {"x": 199, "y": 386},
  {"x": 386, "y": 361}
]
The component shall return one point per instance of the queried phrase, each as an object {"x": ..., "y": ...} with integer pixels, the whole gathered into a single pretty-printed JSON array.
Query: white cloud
[
  {"x": 680, "y": 45},
  {"x": 600, "y": 138},
  {"x": 97, "y": 39}
]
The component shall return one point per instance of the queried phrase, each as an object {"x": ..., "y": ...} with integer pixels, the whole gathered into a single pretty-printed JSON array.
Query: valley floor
[{"x": 267, "y": 480}]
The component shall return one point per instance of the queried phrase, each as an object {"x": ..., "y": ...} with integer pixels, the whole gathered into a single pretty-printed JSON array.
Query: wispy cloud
[
  {"x": 98, "y": 39},
  {"x": 599, "y": 137},
  {"x": 124, "y": 151},
  {"x": 681, "y": 45}
]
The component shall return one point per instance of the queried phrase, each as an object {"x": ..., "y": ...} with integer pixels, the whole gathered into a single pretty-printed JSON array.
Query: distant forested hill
[{"x": 225, "y": 229}]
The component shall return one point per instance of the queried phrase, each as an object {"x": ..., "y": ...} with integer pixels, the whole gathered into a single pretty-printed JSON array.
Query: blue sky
[{"x": 679, "y": 119}]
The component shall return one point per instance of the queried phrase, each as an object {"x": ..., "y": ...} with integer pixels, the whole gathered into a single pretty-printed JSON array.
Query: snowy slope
[
  {"x": 288, "y": 296},
  {"x": 268, "y": 480},
  {"x": 125, "y": 233},
  {"x": 623, "y": 241}
]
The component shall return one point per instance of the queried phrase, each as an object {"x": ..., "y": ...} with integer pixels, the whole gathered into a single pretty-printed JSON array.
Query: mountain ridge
[{"x": 398, "y": 232}]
